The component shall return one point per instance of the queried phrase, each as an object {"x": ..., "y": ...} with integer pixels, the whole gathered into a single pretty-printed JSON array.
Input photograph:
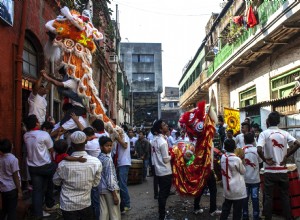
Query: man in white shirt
[
  {"x": 239, "y": 139},
  {"x": 162, "y": 165},
  {"x": 132, "y": 139},
  {"x": 121, "y": 151},
  {"x": 272, "y": 148},
  {"x": 39, "y": 147},
  {"x": 233, "y": 182},
  {"x": 71, "y": 84},
  {"x": 37, "y": 100},
  {"x": 77, "y": 180}
]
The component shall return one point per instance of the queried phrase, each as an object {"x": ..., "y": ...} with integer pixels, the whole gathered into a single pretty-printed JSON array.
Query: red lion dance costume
[{"x": 190, "y": 178}]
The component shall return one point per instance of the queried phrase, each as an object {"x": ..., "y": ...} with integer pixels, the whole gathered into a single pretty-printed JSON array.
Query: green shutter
[{"x": 119, "y": 81}]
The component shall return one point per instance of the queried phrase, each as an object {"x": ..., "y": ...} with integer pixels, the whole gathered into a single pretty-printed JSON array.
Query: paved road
[{"x": 144, "y": 206}]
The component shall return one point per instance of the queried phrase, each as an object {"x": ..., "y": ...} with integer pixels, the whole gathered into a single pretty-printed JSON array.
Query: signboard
[{"x": 7, "y": 11}]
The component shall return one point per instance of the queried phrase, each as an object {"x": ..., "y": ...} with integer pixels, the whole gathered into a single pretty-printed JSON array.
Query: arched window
[{"x": 30, "y": 61}]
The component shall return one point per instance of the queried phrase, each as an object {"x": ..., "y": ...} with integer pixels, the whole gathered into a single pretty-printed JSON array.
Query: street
[{"x": 144, "y": 206}]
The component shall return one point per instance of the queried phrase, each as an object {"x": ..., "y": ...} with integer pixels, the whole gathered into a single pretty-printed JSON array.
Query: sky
[{"x": 178, "y": 25}]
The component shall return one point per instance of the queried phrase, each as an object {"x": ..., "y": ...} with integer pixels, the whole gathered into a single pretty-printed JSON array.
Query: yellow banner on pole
[{"x": 232, "y": 119}]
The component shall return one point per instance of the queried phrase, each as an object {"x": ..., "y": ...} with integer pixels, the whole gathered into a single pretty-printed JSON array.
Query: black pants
[
  {"x": 237, "y": 209},
  {"x": 42, "y": 185},
  {"x": 212, "y": 186},
  {"x": 155, "y": 181},
  {"x": 164, "y": 183},
  {"x": 79, "y": 111},
  {"x": 9, "y": 204},
  {"x": 86, "y": 213},
  {"x": 282, "y": 181}
]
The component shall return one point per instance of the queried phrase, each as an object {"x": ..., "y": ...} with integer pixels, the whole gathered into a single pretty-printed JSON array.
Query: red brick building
[{"x": 23, "y": 36}]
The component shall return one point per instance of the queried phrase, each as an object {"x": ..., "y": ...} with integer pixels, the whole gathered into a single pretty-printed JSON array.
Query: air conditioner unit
[{"x": 113, "y": 59}]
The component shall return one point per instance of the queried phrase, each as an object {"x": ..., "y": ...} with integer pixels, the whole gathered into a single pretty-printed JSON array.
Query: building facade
[
  {"x": 254, "y": 69},
  {"x": 170, "y": 111},
  {"x": 143, "y": 66},
  {"x": 22, "y": 46}
]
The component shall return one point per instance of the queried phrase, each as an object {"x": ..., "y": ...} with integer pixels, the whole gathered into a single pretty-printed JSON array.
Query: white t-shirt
[
  {"x": 38, "y": 144},
  {"x": 132, "y": 143},
  {"x": 274, "y": 142},
  {"x": 92, "y": 147},
  {"x": 233, "y": 178},
  {"x": 252, "y": 161},
  {"x": 73, "y": 85},
  {"x": 37, "y": 106},
  {"x": 70, "y": 124},
  {"x": 124, "y": 158},
  {"x": 239, "y": 141},
  {"x": 159, "y": 151},
  {"x": 99, "y": 135}
]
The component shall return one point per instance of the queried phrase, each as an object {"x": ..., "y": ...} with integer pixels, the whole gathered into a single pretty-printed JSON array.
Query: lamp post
[{"x": 131, "y": 109}]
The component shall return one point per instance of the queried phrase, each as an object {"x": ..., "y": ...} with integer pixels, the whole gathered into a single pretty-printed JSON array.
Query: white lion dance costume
[{"x": 75, "y": 35}]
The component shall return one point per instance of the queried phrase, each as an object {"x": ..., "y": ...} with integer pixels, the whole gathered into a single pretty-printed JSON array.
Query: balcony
[
  {"x": 265, "y": 11},
  {"x": 192, "y": 95}
]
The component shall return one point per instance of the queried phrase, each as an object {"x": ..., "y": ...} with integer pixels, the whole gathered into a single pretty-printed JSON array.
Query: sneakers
[
  {"x": 126, "y": 209},
  {"x": 198, "y": 211},
  {"x": 216, "y": 213},
  {"x": 53, "y": 208},
  {"x": 46, "y": 214}
]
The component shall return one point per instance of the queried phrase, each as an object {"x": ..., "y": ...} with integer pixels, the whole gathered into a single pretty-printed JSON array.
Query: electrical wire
[{"x": 161, "y": 13}]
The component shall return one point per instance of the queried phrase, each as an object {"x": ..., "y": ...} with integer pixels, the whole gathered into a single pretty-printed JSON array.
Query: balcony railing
[{"x": 265, "y": 10}]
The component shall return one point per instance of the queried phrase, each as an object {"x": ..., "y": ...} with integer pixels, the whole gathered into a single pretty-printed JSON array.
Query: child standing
[
  {"x": 10, "y": 185},
  {"x": 252, "y": 179},
  {"x": 108, "y": 187},
  {"x": 61, "y": 148},
  {"x": 233, "y": 182}
]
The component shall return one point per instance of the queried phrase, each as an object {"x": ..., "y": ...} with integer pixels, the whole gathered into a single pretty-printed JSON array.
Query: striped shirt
[
  {"x": 77, "y": 180},
  {"x": 109, "y": 181}
]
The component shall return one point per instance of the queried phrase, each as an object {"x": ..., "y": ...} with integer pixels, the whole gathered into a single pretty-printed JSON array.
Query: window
[
  {"x": 143, "y": 80},
  {"x": 282, "y": 85},
  {"x": 248, "y": 97},
  {"x": 143, "y": 58},
  {"x": 29, "y": 60},
  {"x": 141, "y": 77}
]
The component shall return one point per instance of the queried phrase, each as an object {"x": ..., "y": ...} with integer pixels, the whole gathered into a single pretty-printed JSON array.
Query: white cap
[{"x": 78, "y": 137}]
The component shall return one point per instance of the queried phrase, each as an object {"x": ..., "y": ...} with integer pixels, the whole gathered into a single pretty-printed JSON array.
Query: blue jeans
[
  {"x": 146, "y": 164},
  {"x": 42, "y": 186},
  {"x": 122, "y": 178},
  {"x": 95, "y": 202},
  {"x": 253, "y": 192}
]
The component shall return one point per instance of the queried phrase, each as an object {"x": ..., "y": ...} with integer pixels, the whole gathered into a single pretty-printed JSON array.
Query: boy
[
  {"x": 233, "y": 182},
  {"x": 61, "y": 148},
  {"x": 10, "y": 186},
  {"x": 239, "y": 139},
  {"x": 108, "y": 187},
  {"x": 252, "y": 178}
]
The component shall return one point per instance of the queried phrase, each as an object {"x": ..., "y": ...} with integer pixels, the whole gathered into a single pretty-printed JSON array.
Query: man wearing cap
[
  {"x": 77, "y": 180},
  {"x": 37, "y": 100}
]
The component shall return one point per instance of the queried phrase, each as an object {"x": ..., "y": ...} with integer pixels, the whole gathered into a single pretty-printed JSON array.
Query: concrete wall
[
  {"x": 259, "y": 75},
  {"x": 128, "y": 49}
]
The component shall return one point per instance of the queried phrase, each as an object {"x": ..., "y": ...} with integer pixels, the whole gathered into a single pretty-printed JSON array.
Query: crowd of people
[{"x": 89, "y": 166}]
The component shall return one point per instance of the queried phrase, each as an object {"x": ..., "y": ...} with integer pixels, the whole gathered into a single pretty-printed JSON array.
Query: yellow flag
[{"x": 232, "y": 119}]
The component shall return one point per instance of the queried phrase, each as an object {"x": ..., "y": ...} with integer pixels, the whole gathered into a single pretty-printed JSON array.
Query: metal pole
[{"x": 131, "y": 117}]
